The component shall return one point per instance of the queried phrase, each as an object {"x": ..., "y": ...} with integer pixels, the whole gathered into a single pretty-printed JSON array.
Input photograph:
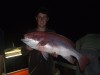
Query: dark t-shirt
[{"x": 37, "y": 63}]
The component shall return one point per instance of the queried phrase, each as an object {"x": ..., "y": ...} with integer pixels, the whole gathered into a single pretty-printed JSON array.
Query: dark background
[{"x": 72, "y": 19}]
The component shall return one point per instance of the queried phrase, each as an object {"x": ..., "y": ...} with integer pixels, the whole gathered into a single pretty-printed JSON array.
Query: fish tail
[{"x": 83, "y": 62}]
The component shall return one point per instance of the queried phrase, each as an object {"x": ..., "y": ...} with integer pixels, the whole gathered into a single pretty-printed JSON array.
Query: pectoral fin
[
  {"x": 43, "y": 42},
  {"x": 40, "y": 46},
  {"x": 45, "y": 55}
]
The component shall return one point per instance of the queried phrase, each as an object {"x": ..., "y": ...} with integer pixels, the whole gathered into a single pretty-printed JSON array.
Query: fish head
[{"x": 33, "y": 39}]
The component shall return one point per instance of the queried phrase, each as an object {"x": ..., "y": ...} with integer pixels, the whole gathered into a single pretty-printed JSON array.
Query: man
[
  {"x": 1, "y": 51},
  {"x": 38, "y": 65}
]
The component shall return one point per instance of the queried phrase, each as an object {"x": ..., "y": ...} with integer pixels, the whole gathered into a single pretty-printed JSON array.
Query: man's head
[{"x": 42, "y": 17}]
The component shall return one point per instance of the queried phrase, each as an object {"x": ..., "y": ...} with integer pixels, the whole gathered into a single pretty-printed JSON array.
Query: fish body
[{"x": 51, "y": 42}]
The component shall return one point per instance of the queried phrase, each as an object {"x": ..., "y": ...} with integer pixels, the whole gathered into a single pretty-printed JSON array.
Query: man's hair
[{"x": 43, "y": 10}]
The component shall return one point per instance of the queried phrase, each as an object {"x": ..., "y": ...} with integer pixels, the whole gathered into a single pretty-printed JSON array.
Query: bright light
[{"x": 13, "y": 53}]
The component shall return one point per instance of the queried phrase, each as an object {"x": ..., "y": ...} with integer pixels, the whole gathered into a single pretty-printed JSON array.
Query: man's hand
[
  {"x": 29, "y": 48},
  {"x": 54, "y": 54}
]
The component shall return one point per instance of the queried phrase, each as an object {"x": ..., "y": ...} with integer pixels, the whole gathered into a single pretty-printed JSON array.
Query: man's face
[{"x": 42, "y": 19}]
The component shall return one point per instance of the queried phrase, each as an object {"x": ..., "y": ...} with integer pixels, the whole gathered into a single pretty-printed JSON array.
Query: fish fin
[
  {"x": 83, "y": 62},
  {"x": 43, "y": 42},
  {"x": 45, "y": 55},
  {"x": 41, "y": 48}
]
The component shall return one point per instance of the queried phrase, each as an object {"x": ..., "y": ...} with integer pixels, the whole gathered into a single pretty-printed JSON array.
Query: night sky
[{"x": 72, "y": 19}]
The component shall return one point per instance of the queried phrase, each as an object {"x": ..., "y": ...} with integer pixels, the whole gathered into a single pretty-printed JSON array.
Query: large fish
[{"x": 51, "y": 42}]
